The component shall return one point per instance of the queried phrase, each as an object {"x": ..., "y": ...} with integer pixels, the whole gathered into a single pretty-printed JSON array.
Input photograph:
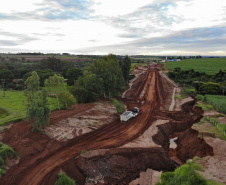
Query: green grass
[
  {"x": 3, "y": 113},
  {"x": 202, "y": 106},
  {"x": 14, "y": 103},
  {"x": 208, "y": 65}
]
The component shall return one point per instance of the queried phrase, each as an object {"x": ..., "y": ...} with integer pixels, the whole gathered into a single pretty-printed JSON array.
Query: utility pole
[{"x": 3, "y": 85}]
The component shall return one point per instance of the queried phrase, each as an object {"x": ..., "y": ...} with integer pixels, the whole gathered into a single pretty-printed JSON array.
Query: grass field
[
  {"x": 13, "y": 106},
  {"x": 208, "y": 65}
]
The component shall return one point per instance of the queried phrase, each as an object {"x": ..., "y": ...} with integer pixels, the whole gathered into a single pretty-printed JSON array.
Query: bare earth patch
[
  {"x": 150, "y": 177},
  {"x": 101, "y": 114},
  {"x": 215, "y": 166},
  {"x": 145, "y": 140},
  {"x": 180, "y": 102}
]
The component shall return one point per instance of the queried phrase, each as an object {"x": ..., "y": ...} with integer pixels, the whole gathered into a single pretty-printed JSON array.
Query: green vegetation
[
  {"x": 202, "y": 82},
  {"x": 72, "y": 75},
  {"x": 133, "y": 66},
  {"x": 125, "y": 64},
  {"x": 184, "y": 175},
  {"x": 202, "y": 106},
  {"x": 187, "y": 174},
  {"x": 219, "y": 102},
  {"x": 3, "y": 113},
  {"x": 208, "y": 65},
  {"x": 55, "y": 85},
  {"x": 221, "y": 127},
  {"x": 119, "y": 106},
  {"x": 14, "y": 103},
  {"x": 63, "y": 179},
  {"x": 5, "y": 152},
  {"x": 105, "y": 77}
]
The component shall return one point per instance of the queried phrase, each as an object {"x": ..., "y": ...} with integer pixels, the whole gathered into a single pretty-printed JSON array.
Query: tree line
[
  {"x": 105, "y": 77},
  {"x": 202, "y": 82}
]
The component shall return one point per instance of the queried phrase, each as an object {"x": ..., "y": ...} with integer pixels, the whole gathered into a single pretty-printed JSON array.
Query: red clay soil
[
  {"x": 20, "y": 137},
  {"x": 42, "y": 168},
  {"x": 120, "y": 165}
]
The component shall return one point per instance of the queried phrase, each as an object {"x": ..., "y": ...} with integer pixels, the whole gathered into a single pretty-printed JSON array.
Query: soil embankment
[{"x": 149, "y": 93}]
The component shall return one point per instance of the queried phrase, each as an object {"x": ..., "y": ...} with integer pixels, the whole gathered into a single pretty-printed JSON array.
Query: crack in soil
[{"x": 48, "y": 156}]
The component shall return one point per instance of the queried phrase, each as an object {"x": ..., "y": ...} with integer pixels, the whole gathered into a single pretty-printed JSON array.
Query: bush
[
  {"x": 184, "y": 175},
  {"x": 188, "y": 91},
  {"x": 63, "y": 179},
  {"x": 119, "y": 106},
  {"x": 210, "y": 88}
]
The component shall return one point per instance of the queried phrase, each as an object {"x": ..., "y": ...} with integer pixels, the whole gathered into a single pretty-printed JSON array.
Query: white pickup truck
[{"x": 129, "y": 114}]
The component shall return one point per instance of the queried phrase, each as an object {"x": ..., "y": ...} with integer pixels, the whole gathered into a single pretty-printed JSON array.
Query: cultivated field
[
  {"x": 219, "y": 102},
  {"x": 208, "y": 65}
]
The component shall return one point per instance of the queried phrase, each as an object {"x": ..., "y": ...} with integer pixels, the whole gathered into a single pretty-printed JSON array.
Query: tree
[
  {"x": 210, "y": 88},
  {"x": 72, "y": 75},
  {"x": 37, "y": 104},
  {"x": 32, "y": 84},
  {"x": 109, "y": 70},
  {"x": 125, "y": 65},
  {"x": 88, "y": 88},
  {"x": 67, "y": 98},
  {"x": 39, "y": 111},
  {"x": 55, "y": 85},
  {"x": 6, "y": 76}
]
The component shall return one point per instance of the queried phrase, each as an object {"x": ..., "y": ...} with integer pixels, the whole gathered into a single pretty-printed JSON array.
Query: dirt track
[
  {"x": 33, "y": 169},
  {"x": 41, "y": 168}
]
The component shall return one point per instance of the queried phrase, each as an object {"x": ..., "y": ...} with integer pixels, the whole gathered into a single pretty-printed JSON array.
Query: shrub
[
  {"x": 63, "y": 179},
  {"x": 119, "y": 106},
  {"x": 184, "y": 175},
  {"x": 210, "y": 88}
]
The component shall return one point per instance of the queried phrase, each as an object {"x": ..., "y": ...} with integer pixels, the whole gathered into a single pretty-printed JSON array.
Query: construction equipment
[{"x": 129, "y": 114}]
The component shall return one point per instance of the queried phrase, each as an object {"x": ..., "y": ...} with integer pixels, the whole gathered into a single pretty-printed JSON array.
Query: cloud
[
  {"x": 15, "y": 39},
  {"x": 195, "y": 40},
  {"x": 146, "y": 20},
  {"x": 54, "y": 10}
]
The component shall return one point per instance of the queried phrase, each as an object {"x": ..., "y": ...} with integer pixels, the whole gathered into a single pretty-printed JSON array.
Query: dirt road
[
  {"x": 150, "y": 92},
  {"x": 33, "y": 169}
]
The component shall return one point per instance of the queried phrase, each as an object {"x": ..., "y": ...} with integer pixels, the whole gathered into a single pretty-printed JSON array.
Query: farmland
[
  {"x": 209, "y": 65},
  {"x": 219, "y": 102},
  {"x": 13, "y": 106}
]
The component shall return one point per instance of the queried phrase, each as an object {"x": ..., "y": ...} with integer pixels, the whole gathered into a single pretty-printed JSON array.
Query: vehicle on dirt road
[{"x": 129, "y": 114}]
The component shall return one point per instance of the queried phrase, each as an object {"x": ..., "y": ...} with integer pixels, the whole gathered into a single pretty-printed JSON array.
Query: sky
[{"x": 133, "y": 27}]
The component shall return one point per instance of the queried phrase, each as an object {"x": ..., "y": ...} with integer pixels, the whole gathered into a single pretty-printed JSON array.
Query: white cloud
[
  {"x": 11, "y": 6},
  {"x": 59, "y": 25}
]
